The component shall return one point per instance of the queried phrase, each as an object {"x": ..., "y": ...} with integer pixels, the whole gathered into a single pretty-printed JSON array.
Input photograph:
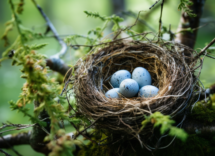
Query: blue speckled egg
[
  {"x": 142, "y": 76},
  {"x": 129, "y": 88},
  {"x": 148, "y": 91},
  {"x": 118, "y": 77},
  {"x": 112, "y": 93}
]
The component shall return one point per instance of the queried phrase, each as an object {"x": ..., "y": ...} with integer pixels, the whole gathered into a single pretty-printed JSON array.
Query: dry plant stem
[
  {"x": 52, "y": 28},
  {"x": 12, "y": 140},
  {"x": 187, "y": 37}
]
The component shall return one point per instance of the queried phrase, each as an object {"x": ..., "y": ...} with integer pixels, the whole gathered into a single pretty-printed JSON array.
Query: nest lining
[{"x": 170, "y": 69}]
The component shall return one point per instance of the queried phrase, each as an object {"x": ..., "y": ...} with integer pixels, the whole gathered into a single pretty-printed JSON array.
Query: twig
[
  {"x": 52, "y": 28},
  {"x": 14, "y": 125},
  {"x": 129, "y": 13},
  {"x": 5, "y": 153},
  {"x": 89, "y": 126},
  {"x": 160, "y": 20},
  {"x": 210, "y": 56},
  {"x": 154, "y": 4},
  {"x": 19, "y": 128},
  {"x": 205, "y": 48},
  {"x": 82, "y": 134},
  {"x": 79, "y": 45}
]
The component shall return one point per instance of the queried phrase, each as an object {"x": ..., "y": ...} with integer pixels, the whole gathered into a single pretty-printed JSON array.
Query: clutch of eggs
[{"x": 129, "y": 85}]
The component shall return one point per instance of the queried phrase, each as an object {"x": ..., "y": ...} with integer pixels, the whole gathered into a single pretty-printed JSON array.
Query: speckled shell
[
  {"x": 129, "y": 88},
  {"x": 112, "y": 93},
  {"x": 148, "y": 91},
  {"x": 142, "y": 76},
  {"x": 118, "y": 77}
]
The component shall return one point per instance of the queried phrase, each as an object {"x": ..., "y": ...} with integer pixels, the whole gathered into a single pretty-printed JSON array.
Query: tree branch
[
  {"x": 56, "y": 64},
  {"x": 192, "y": 126},
  {"x": 11, "y": 140},
  {"x": 190, "y": 23},
  {"x": 160, "y": 19},
  {"x": 205, "y": 48},
  {"x": 52, "y": 28}
]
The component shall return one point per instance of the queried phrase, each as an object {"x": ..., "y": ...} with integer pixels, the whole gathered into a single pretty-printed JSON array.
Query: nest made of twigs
[{"x": 170, "y": 64}]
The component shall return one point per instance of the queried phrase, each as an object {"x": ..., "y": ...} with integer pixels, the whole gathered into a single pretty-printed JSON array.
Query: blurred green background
[{"x": 68, "y": 18}]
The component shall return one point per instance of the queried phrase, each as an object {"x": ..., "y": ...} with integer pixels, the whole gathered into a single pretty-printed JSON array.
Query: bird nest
[{"x": 170, "y": 64}]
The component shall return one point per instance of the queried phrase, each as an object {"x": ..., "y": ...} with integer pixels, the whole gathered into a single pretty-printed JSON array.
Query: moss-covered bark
[{"x": 194, "y": 146}]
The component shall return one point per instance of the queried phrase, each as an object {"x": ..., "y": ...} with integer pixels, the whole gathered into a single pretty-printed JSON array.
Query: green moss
[{"x": 204, "y": 112}]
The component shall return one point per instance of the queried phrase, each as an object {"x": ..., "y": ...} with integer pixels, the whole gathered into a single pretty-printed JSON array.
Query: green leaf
[
  {"x": 184, "y": 6},
  {"x": 165, "y": 124}
]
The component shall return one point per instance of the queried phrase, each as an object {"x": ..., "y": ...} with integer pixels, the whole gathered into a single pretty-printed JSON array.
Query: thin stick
[
  {"x": 160, "y": 20},
  {"x": 89, "y": 126},
  {"x": 205, "y": 48},
  {"x": 2, "y": 151},
  {"x": 15, "y": 129},
  {"x": 131, "y": 14},
  {"x": 52, "y": 28},
  {"x": 78, "y": 45},
  {"x": 82, "y": 134},
  {"x": 154, "y": 4}
]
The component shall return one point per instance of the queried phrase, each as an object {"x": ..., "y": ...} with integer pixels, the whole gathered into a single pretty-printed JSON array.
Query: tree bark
[
  {"x": 186, "y": 22},
  {"x": 8, "y": 141}
]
